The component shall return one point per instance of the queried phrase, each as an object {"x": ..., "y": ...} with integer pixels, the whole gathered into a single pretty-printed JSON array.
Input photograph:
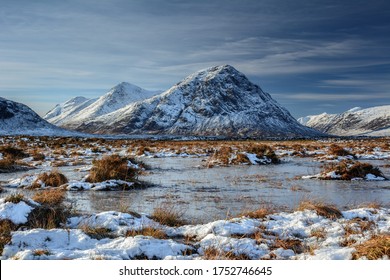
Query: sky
[{"x": 311, "y": 56}]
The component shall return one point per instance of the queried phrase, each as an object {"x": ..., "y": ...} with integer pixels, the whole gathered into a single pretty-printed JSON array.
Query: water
[{"x": 205, "y": 194}]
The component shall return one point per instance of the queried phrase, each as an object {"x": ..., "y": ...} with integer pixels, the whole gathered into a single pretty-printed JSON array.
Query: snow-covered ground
[{"x": 312, "y": 236}]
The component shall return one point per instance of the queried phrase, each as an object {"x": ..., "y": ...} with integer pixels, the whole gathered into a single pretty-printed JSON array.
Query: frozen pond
[{"x": 206, "y": 194}]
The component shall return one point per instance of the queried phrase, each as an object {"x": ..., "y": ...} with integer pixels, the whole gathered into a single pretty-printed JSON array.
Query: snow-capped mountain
[
  {"x": 64, "y": 112},
  {"x": 19, "y": 119},
  {"x": 79, "y": 110},
  {"x": 374, "y": 121},
  {"x": 218, "y": 101}
]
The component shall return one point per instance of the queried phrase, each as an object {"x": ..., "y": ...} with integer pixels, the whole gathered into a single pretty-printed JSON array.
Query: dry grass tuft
[
  {"x": 98, "y": 232},
  {"x": 12, "y": 152},
  {"x": 260, "y": 213},
  {"x": 289, "y": 244},
  {"x": 262, "y": 150},
  {"x": 112, "y": 167},
  {"x": 7, "y": 164},
  {"x": 6, "y": 227},
  {"x": 53, "y": 179},
  {"x": 213, "y": 253},
  {"x": 52, "y": 213},
  {"x": 147, "y": 231},
  {"x": 336, "y": 150},
  {"x": 328, "y": 211},
  {"x": 50, "y": 197},
  {"x": 14, "y": 198},
  {"x": 318, "y": 233},
  {"x": 375, "y": 248},
  {"x": 348, "y": 169},
  {"x": 41, "y": 252},
  {"x": 168, "y": 215}
]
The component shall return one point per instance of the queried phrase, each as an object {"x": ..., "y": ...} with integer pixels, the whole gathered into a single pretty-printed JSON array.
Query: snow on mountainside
[
  {"x": 65, "y": 111},
  {"x": 18, "y": 119},
  {"x": 82, "y": 110},
  {"x": 374, "y": 121},
  {"x": 219, "y": 101}
]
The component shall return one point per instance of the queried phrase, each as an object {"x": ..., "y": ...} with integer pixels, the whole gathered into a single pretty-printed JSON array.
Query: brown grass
[
  {"x": 328, "y": 211},
  {"x": 6, "y": 227},
  {"x": 147, "y": 231},
  {"x": 213, "y": 253},
  {"x": 53, "y": 179},
  {"x": 14, "y": 198},
  {"x": 50, "y": 197},
  {"x": 168, "y": 215},
  {"x": 337, "y": 150},
  {"x": 375, "y": 248},
  {"x": 40, "y": 252},
  {"x": 52, "y": 213},
  {"x": 318, "y": 233},
  {"x": 98, "y": 232},
  {"x": 112, "y": 167},
  {"x": 7, "y": 164},
  {"x": 289, "y": 244},
  {"x": 259, "y": 213},
  {"x": 348, "y": 169},
  {"x": 12, "y": 152},
  {"x": 262, "y": 150}
]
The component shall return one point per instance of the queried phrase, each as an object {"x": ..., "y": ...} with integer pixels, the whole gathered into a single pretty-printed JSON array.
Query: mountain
[
  {"x": 64, "y": 112},
  {"x": 79, "y": 110},
  {"x": 19, "y": 119},
  {"x": 374, "y": 121},
  {"x": 218, "y": 101}
]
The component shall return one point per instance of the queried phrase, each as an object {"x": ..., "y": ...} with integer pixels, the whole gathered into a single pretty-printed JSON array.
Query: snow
[
  {"x": 16, "y": 213},
  {"x": 101, "y": 186},
  {"x": 340, "y": 124},
  {"x": 218, "y": 101},
  {"x": 74, "y": 244},
  {"x": 230, "y": 236},
  {"x": 22, "y": 182}
]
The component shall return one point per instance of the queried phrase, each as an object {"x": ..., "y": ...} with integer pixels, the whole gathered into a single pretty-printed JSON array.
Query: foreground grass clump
[
  {"x": 52, "y": 213},
  {"x": 168, "y": 215},
  {"x": 6, "y": 227},
  {"x": 15, "y": 198},
  {"x": 212, "y": 253},
  {"x": 50, "y": 197},
  {"x": 53, "y": 179},
  {"x": 328, "y": 211},
  {"x": 348, "y": 170},
  {"x": 113, "y": 167},
  {"x": 147, "y": 231},
  {"x": 259, "y": 213},
  {"x": 97, "y": 232},
  {"x": 375, "y": 248}
]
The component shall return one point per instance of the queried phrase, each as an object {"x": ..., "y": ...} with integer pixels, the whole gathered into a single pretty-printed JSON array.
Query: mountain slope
[
  {"x": 374, "y": 121},
  {"x": 82, "y": 110},
  {"x": 218, "y": 101},
  {"x": 18, "y": 119},
  {"x": 62, "y": 113}
]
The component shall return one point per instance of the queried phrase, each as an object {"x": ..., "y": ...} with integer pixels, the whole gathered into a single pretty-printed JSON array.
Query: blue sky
[{"x": 311, "y": 56}]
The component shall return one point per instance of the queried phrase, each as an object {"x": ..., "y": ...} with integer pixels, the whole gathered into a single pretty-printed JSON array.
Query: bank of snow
[{"x": 267, "y": 238}]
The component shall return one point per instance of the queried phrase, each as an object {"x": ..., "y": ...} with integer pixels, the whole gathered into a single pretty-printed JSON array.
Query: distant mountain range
[
  {"x": 18, "y": 119},
  {"x": 374, "y": 121},
  {"x": 218, "y": 101}
]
